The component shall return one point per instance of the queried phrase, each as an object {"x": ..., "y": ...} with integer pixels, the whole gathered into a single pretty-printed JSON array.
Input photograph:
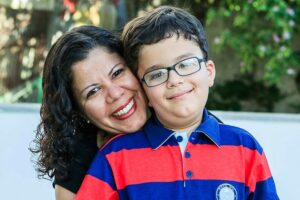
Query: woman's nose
[{"x": 114, "y": 93}]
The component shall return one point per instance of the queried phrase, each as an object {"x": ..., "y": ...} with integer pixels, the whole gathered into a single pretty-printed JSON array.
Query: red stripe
[
  {"x": 207, "y": 162},
  {"x": 145, "y": 165},
  {"x": 93, "y": 188},
  {"x": 235, "y": 163},
  {"x": 260, "y": 171}
]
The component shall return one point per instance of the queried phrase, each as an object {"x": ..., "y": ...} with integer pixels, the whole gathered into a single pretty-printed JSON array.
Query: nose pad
[
  {"x": 114, "y": 92},
  {"x": 174, "y": 79}
]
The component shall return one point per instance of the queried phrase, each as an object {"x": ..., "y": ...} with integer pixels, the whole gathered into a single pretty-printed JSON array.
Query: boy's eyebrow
[
  {"x": 177, "y": 59},
  {"x": 152, "y": 68}
]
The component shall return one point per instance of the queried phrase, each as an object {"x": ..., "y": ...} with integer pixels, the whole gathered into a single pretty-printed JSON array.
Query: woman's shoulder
[{"x": 85, "y": 149}]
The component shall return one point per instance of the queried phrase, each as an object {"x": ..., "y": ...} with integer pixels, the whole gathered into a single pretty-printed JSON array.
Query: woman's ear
[{"x": 84, "y": 118}]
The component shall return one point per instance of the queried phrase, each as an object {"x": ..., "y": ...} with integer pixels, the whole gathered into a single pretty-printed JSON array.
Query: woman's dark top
[{"x": 86, "y": 150}]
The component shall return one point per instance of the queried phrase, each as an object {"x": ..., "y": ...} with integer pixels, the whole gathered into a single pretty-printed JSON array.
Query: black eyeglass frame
[{"x": 172, "y": 67}]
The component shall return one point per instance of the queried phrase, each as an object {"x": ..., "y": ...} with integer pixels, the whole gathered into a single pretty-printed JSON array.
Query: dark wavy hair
[
  {"x": 61, "y": 123},
  {"x": 158, "y": 24}
]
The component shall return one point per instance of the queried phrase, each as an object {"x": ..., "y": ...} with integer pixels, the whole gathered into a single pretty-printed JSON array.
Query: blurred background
[{"x": 254, "y": 43}]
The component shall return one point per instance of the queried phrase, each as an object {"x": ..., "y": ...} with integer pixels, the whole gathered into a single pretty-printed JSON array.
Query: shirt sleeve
[
  {"x": 99, "y": 182},
  {"x": 261, "y": 182}
]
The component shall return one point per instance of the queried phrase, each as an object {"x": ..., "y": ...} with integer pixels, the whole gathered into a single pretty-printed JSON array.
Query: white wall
[
  {"x": 18, "y": 179},
  {"x": 279, "y": 134}
]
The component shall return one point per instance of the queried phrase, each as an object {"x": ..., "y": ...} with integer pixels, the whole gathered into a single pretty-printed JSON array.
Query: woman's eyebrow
[
  {"x": 112, "y": 69},
  {"x": 92, "y": 85}
]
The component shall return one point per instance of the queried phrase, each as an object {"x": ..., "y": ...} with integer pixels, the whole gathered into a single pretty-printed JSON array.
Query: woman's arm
[{"x": 62, "y": 193}]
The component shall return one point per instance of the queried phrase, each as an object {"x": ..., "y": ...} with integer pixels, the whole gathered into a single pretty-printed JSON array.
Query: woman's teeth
[{"x": 125, "y": 110}]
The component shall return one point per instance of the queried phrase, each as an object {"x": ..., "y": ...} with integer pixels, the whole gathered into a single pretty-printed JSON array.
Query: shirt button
[
  {"x": 189, "y": 174},
  {"x": 193, "y": 138},
  {"x": 187, "y": 154},
  {"x": 179, "y": 138}
]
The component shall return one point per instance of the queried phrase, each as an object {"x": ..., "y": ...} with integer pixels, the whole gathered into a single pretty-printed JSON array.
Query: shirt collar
[
  {"x": 210, "y": 128},
  {"x": 158, "y": 135}
]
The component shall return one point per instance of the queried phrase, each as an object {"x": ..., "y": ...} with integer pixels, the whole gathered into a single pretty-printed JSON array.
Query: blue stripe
[
  {"x": 232, "y": 136},
  {"x": 195, "y": 189},
  {"x": 101, "y": 169},
  {"x": 266, "y": 190},
  {"x": 235, "y": 136},
  {"x": 129, "y": 141}
]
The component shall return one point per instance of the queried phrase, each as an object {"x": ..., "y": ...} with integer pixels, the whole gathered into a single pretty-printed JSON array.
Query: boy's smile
[
  {"x": 179, "y": 95},
  {"x": 178, "y": 102}
]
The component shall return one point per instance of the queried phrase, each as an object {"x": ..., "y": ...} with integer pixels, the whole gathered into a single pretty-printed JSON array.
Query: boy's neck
[
  {"x": 188, "y": 129},
  {"x": 183, "y": 124}
]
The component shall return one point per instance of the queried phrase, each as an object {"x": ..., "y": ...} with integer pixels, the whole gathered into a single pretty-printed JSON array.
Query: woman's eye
[
  {"x": 117, "y": 73},
  {"x": 92, "y": 92}
]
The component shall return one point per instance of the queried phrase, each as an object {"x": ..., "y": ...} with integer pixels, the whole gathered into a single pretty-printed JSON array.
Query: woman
[{"x": 87, "y": 87}]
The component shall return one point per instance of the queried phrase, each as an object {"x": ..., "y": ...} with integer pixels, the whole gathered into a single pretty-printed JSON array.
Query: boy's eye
[
  {"x": 117, "y": 73},
  {"x": 92, "y": 92},
  {"x": 156, "y": 75},
  {"x": 189, "y": 63},
  {"x": 183, "y": 65}
]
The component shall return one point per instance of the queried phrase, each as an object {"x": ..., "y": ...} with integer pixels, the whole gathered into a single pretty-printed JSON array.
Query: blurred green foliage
[
  {"x": 244, "y": 93},
  {"x": 261, "y": 34}
]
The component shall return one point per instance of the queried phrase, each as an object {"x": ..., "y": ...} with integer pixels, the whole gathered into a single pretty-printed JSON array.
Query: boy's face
[{"x": 178, "y": 102}]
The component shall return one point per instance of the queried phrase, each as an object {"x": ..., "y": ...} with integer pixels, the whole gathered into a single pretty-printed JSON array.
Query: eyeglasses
[{"x": 184, "y": 67}]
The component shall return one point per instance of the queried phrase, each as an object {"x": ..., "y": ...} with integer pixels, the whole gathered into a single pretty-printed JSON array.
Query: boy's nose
[
  {"x": 114, "y": 92},
  {"x": 174, "y": 79}
]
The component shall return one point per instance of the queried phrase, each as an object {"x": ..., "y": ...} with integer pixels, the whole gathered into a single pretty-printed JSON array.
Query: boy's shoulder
[
  {"x": 233, "y": 135},
  {"x": 125, "y": 141}
]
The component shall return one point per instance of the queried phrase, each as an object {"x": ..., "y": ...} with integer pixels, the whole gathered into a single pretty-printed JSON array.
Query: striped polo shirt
[{"x": 218, "y": 162}]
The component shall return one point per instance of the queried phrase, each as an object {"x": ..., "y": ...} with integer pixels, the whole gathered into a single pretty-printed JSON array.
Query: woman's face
[{"x": 108, "y": 93}]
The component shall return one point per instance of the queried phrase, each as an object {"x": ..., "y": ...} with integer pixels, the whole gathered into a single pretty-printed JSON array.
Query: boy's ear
[{"x": 211, "y": 72}]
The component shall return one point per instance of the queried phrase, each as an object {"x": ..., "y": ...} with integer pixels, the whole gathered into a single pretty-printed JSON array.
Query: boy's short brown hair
[{"x": 159, "y": 24}]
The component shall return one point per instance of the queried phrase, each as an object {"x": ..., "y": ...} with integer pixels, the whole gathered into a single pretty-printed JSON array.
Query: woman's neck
[{"x": 102, "y": 138}]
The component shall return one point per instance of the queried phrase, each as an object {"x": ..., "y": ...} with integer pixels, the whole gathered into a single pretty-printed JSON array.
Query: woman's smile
[{"x": 125, "y": 111}]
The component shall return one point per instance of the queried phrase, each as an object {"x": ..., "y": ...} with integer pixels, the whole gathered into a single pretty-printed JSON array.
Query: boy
[{"x": 182, "y": 152}]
